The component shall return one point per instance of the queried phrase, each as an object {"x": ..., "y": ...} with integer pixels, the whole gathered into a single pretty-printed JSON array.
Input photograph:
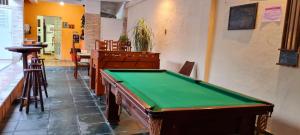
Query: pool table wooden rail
[{"x": 196, "y": 120}]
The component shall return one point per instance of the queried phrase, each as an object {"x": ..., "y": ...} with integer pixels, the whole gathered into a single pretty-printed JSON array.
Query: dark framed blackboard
[
  {"x": 288, "y": 58},
  {"x": 243, "y": 17}
]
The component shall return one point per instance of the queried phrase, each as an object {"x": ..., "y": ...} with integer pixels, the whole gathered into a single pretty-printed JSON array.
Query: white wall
[
  {"x": 92, "y": 6},
  {"x": 245, "y": 60},
  {"x": 111, "y": 28},
  {"x": 17, "y": 7},
  {"x": 186, "y": 23}
]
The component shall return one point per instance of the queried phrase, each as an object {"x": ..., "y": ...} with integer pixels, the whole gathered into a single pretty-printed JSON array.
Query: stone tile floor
[{"x": 70, "y": 109}]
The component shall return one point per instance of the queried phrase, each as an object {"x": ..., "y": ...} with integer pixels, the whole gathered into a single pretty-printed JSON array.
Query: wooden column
[
  {"x": 289, "y": 51},
  {"x": 291, "y": 32},
  {"x": 211, "y": 38}
]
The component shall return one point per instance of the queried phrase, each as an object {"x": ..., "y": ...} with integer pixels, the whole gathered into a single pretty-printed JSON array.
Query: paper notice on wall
[{"x": 272, "y": 14}]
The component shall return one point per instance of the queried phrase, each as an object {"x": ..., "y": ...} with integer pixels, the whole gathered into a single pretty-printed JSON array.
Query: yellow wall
[
  {"x": 210, "y": 39},
  {"x": 69, "y": 13}
]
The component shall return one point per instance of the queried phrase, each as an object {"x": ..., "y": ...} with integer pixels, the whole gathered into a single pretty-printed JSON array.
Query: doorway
[{"x": 49, "y": 31}]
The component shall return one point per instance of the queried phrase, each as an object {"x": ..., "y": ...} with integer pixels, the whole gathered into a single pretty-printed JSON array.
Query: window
[
  {"x": 5, "y": 32},
  {"x": 3, "y": 2}
]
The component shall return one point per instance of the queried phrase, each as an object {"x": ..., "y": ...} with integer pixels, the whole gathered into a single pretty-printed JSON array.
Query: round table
[
  {"x": 36, "y": 45},
  {"x": 25, "y": 51}
]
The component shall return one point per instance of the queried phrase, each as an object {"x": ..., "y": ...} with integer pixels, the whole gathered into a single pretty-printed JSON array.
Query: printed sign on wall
[{"x": 272, "y": 14}]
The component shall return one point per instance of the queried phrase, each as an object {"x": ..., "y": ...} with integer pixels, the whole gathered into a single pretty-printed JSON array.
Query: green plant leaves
[
  {"x": 123, "y": 38},
  {"x": 142, "y": 36}
]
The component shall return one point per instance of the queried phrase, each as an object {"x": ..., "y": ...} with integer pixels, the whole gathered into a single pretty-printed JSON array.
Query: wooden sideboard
[{"x": 118, "y": 60}]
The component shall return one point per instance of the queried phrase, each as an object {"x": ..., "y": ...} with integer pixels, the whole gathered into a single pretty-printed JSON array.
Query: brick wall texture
[{"x": 91, "y": 30}]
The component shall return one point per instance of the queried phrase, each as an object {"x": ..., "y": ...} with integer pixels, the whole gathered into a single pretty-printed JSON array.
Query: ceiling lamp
[{"x": 61, "y": 3}]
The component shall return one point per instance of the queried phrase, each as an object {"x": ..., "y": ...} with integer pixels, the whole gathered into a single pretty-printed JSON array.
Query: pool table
[{"x": 169, "y": 104}]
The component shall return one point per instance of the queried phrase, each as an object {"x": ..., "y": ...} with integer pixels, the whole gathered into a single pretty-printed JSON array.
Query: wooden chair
[
  {"x": 115, "y": 46},
  {"x": 77, "y": 61},
  {"x": 101, "y": 45},
  {"x": 129, "y": 46},
  {"x": 187, "y": 68},
  {"x": 109, "y": 44},
  {"x": 125, "y": 46},
  {"x": 122, "y": 46}
]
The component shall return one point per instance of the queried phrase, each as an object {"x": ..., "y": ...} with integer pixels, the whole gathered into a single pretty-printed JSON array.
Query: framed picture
[
  {"x": 65, "y": 25},
  {"x": 71, "y": 26},
  {"x": 243, "y": 17}
]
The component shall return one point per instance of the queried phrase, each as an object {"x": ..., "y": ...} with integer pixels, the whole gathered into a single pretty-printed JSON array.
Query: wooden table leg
[
  {"x": 155, "y": 126},
  {"x": 25, "y": 62},
  {"x": 99, "y": 89},
  {"x": 112, "y": 108},
  {"x": 92, "y": 77}
]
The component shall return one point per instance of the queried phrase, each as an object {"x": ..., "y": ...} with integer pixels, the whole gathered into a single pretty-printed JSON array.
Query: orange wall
[{"x": 69, "y": 13}]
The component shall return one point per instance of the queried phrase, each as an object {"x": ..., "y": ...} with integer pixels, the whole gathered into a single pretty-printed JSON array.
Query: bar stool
[
  {"x": 40, "y": 76},
  {"x": 41, "y": 61},
  {"x": 32, "y": 83}
]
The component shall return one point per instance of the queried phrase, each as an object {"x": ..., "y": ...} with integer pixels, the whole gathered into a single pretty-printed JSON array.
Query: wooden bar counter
[{"x": 118, "y": 60}]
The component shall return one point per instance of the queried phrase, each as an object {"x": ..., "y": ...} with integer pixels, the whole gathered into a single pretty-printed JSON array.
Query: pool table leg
[
  {"x": 92, "y": 77},
  {"x": 112, "y": 110},
  {"x": 247, "y": 125},
  {"x": 155, "y": 126}
]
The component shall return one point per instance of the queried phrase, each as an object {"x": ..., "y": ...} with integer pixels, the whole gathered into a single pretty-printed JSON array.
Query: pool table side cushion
[{"x": 164, "y": 90}]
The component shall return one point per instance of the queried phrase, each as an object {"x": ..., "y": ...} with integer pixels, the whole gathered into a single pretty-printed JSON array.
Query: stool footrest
[{"x": 32, "y": 70}]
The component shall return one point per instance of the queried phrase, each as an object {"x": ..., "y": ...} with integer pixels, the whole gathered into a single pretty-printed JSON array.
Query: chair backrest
[
  {"x": 108, "y": 44},
  {"x": 101, "y": 45},
  {"x": 115, "y": 46},
  {"x": 74, "y": 55},
  {"x": 122, "y": 46},
  {"x": 128, "y": 46},
  {"x": 187, "y": 68},
  {"x": 97, "y": 44}
]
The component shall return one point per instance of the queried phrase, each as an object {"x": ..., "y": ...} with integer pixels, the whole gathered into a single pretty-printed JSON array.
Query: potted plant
[
  {"x": 142, "y": 36},
  {"x": 123, "y": 38}
]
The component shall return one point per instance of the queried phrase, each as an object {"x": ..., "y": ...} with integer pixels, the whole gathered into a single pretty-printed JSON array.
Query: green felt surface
[{"x": 162, "y": 90}]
